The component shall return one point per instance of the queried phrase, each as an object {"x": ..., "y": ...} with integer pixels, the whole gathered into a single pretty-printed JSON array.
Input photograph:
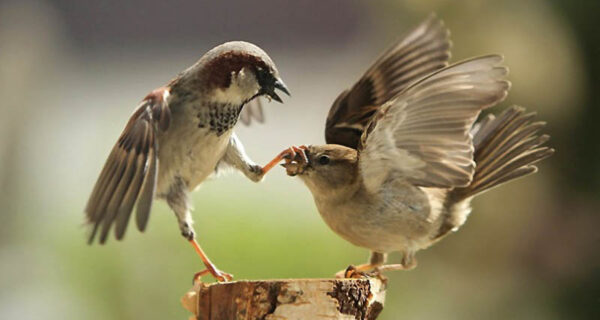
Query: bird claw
[
  {"x": 361, "y": 272},
  {"x": 289, "y": 155},
  {"x": 295, "y": 153},
  {"x": 352, "y": 272},
  {"x": 219, "y": 275},
  {"x": 199, "y": 275},
  {"x": 296, "y": 159}
]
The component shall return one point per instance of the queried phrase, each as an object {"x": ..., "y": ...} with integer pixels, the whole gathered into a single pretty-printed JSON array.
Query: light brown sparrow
[
  {"x": 178, "y": 136},
  {"x": 404, "y": 158}
]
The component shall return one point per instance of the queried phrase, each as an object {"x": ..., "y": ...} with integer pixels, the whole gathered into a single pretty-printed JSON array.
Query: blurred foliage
[{"x": 71, "y": 72}]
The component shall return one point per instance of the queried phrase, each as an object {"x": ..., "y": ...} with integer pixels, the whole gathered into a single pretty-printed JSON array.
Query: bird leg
[
  {"x": 408, "y": 262},
  {"x": 177, "y": 199},
  {"x": 288, "y": 155},
  {"x": 376, "y": 260},
  {"x": 210, "y": 267},
  {"x": 376, "y": 266},
  {"x": 395, "y": 267}
]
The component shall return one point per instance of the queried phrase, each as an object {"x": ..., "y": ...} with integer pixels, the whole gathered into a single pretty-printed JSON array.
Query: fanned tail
[{"x": 506, "y": 148}]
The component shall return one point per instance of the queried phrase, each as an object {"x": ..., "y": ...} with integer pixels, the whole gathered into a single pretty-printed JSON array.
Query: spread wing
[
  {"x": 252, "y": 111},
  {"x": 422, "y": 51},
  {"x": 423, "y": 135},
  {"x": 130, "y": 172}
]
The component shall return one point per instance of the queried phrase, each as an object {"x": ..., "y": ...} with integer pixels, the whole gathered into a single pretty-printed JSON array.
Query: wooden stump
[{"x": 287, "y": 299}]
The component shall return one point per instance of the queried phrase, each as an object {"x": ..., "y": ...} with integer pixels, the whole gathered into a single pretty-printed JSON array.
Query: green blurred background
[{"x": 72, "y": 71}]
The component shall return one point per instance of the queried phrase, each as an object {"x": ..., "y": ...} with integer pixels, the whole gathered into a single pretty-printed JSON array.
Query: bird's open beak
[{"x": 278, "y": 84}]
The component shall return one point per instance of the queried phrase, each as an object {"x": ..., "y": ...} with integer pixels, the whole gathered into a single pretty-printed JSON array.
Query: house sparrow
[
  {"x": 178, "y": 136},
  {"x": 404, "y": 158}
]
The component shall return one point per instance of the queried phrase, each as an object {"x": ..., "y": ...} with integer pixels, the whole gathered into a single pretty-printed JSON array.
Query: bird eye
[
  {"x": 323, "y": 159},
  {"x": 262, "y": 75}
]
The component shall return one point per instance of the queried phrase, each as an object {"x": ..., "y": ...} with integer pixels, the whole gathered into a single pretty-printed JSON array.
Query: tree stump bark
[{"x": 287, "y": 299}]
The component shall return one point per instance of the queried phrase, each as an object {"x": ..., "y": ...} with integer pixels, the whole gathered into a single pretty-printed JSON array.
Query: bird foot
[
  {"x": 351, "y": 273},
  {"x": 297, "y": 154},
  {"x": 396, "y": 267},
  {"x": 210, "y": 267},
  {"x": 219, "y": 275},
  {"x": 369, "y": 271},
  {"x": 290, "y": 154},
  {"x": 360, "y": 271},
  {"x": 296, "y": 160}
]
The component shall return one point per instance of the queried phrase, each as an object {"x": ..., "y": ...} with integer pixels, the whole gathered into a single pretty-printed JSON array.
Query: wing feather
[
  {"x": 423, "y": 134},
  {"x": 144, "y": 204},
  {"x": 129, "y": 174},
  {"x": 422, "y": 51}
]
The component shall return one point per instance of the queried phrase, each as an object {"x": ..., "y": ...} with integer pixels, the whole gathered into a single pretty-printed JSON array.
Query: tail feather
[{"x": 506, "y": 148}]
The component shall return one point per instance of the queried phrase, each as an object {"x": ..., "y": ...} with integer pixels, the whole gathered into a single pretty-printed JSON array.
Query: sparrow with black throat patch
[
  {"x": 178, "y": 136},
  {"x": 404, "y": 158}
]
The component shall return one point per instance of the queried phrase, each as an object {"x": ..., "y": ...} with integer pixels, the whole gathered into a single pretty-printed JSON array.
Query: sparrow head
[
  {"x": 236, "y": 72},
  {"x": 324, "y": 168}
]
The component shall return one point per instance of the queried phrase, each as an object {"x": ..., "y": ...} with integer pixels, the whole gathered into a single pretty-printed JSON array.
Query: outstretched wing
[
  {"x": 423, "y": 134},
  {"x": 423, "y": 50},
  {"x": 130, "y": 172}
]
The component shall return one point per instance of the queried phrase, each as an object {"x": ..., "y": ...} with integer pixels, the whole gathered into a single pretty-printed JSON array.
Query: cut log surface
[{"x": 288, "y": 299}]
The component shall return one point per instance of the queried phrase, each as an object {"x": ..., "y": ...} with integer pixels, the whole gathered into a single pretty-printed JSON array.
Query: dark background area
[{"x": 71, "y": 72}]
